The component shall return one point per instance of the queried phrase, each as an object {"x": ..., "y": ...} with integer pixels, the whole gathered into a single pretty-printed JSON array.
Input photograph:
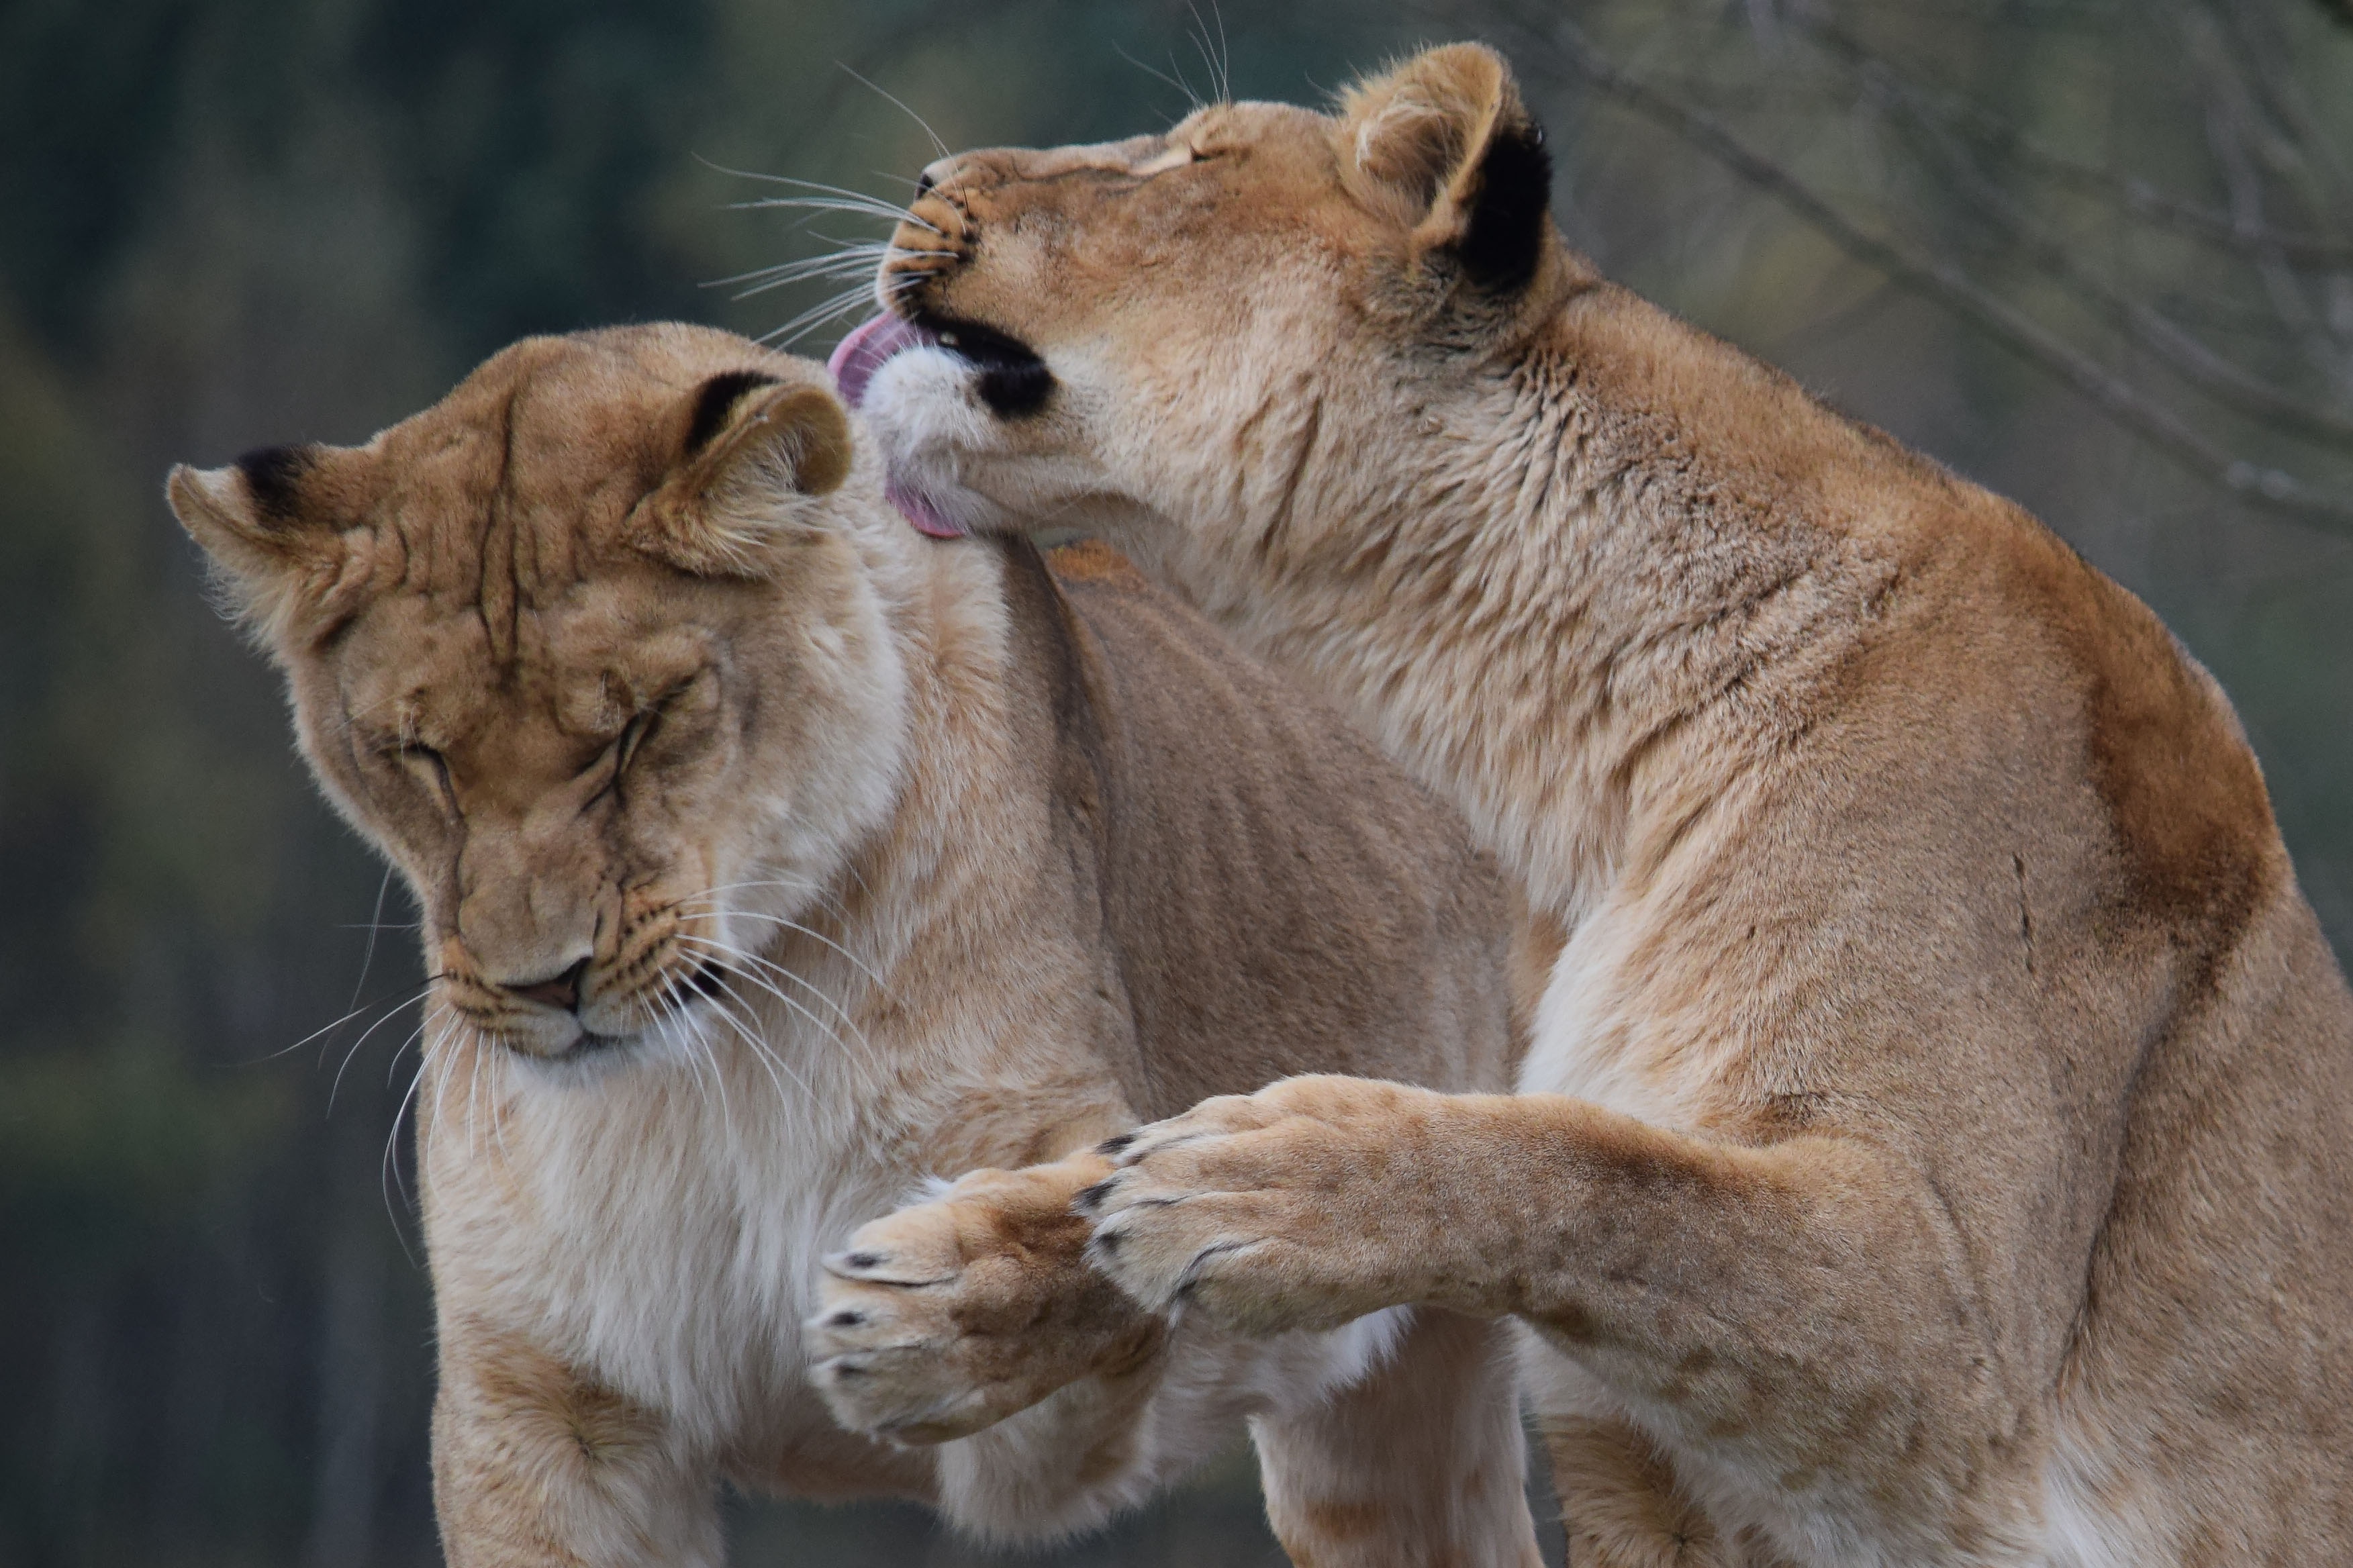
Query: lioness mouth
[{"x": 1013, "y": 382}]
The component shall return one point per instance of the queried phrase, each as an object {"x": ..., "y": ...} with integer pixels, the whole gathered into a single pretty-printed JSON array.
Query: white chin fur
[{"x": 923, "y": 409}]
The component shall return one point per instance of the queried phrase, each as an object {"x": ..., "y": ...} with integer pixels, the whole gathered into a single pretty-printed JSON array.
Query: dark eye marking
[{"x": 1013, "y": 380}]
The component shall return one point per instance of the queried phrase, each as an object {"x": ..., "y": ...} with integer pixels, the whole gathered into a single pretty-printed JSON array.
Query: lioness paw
[
  {"x": 950, "y": 1315},
  {"x": 1291, "y": 1208}
]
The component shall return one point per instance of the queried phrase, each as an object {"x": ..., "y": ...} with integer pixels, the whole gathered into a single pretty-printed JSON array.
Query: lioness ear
[
  {"x": 755, "y": 451},
  {"x": 1444, "y": 144},
  {"x": 266, "y": 534}
]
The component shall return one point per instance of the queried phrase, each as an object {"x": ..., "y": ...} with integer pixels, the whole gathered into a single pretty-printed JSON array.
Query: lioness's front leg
[
  {"x": 1393, "y": 1444},
  {"x": 534, "y": 1466},
  {"x": 1803, "y": 1303}
]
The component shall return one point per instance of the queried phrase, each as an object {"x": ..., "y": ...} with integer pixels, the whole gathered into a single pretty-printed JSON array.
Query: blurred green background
[{"x": 2091, "y": 252}]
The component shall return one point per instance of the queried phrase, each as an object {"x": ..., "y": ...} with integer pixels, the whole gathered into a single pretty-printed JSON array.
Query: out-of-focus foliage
[{"x": 230, "y": 222}]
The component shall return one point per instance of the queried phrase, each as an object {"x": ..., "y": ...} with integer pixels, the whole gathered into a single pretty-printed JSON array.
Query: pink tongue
[
  {"x": 853, "y": 364},
  {"x": 918, "y": 510},
  {"x": 863, "y": 352}
]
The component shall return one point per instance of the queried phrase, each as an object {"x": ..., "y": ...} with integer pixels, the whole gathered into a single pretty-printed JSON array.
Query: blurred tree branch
[
  {"x": 1942, "y": 280},
  {"x": 2177, "y": 350}
]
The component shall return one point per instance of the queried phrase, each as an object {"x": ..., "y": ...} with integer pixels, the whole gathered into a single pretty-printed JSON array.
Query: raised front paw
[
  {"x": 948, "y": 1316},
  {"x": 1302, "y": 1206}
]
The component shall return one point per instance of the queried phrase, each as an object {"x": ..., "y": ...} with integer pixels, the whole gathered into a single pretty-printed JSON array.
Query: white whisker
[
  {"x": 939, "y": 145},
  {"x": 768, "y": 1059},
  {"x": 817, "y": 936},
  {"x": 389, "y": 1014},
  {"x": 725, "y": 952}
]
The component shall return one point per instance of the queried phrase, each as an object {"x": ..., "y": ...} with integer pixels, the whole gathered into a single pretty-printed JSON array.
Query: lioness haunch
[
  {"x": 772, "y": 861},
  {"x": 1939, "y": 1139}
]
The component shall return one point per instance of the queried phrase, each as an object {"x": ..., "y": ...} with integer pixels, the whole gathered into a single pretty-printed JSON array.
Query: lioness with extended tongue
[
  {"x": 1940, "y": 1147},
  {"x": 773, "y": 860}
]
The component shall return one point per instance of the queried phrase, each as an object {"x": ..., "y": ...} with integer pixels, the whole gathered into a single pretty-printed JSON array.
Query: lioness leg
[
  {"x": 533, "y": 1467},
  {"x": 973, "y": 1321},
  {"x": 1797, "y": 1306},
  {"x": 1422, "y": 1461},
  {"x": 1620, "y": 1501}
]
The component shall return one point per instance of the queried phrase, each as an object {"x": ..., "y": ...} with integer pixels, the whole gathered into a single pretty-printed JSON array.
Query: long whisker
[
  {"x": 396, "y": 1005},
  {"x": 768, "y": 1059},
  {"x": 388, "y": 1176},
  {"x": 859, "y": 266},
  {"x": 865, "y": 201},
  {"x": 724, "y": 952},
  {"x": 367, "y": 955},
  {"x": 502, "y": 1096},
  {"x": 1212, "y": 62},
  {"x": 861, "y": 1061},
  {"x": 389, "y": 1014},
  {"x": 1190, "y": 96},
  {"x": 939, "y": 145},
  {"x": 860, "y": 256},
  {"x": 811, "y": 320},
  {"x": 710, "y": 899},
  {"x": 788, "y": 884},
  {"x": 817, "y": 936},
  {"x": 698, "y": 1049},
  {"x": 693, "y": 1061},
  {"x": 784, "y": 972},
  {"x": 843, "y": 204}
]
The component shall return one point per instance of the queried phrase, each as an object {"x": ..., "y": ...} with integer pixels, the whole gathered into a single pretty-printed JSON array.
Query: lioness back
[{"x": 1311, "y": 863}]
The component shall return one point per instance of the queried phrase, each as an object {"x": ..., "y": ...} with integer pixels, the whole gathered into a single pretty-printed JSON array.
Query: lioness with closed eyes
[
  {"x": 1938, "y": 1139},
  {"x": 774, "y": 862}
]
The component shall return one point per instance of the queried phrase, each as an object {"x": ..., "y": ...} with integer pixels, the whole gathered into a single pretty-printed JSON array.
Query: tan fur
[
  {"x": 1939, "y": 1137},
  {"x": 774, "y": 862}
]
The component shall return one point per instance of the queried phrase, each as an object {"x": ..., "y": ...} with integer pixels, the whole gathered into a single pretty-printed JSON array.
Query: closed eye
[
  {"x": 422, "y": 761},
  {"x": 1176, "y": 157},
  {"x": 633, "y": 738}
]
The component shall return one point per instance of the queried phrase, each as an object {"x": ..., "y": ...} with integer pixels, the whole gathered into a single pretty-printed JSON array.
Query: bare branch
[
  {"x": 2196, "y": 220},
  {"x": 2178, "y": 350},
  {"x": 1941, "y": 280}
]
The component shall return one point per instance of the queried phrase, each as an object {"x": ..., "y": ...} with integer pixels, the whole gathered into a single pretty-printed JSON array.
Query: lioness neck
[{"x": 1640, "y": 548}]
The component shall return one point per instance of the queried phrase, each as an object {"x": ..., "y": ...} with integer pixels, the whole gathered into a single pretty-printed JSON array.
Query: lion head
[
  {"x": 1180, "y": 332},
  {"x": 590, "y": 651}
]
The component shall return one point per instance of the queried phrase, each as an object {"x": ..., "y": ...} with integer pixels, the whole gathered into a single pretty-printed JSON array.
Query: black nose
[
  {"x": 924, "y": 183},
  {"x": 563, "y": 992}
]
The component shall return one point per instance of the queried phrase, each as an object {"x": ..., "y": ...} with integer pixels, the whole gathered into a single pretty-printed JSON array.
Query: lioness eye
[
  {"x": 432, "y": 766},
  {"x": 642, "y": 728},
  {"x": 634, "y": 736},
  {"x": 1177, "y": 156}
]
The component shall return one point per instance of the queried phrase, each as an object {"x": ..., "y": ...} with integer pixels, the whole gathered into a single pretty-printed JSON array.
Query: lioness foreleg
[
  {"x": 536, "y": 1468},
  {"x": 1802, "y": 1307},
  {"x": 1421, "y": 1460},
  {"x": 974, "y": 1322}
]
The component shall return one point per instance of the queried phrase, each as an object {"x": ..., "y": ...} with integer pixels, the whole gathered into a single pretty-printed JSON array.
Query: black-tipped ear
[
  {"x": 1444, "y": 146},
  {"x": 273, "y": 478},
  {"x": 253, "y": 517},
  {"x": 1510, "y": 211},
  {"x": 756, "y": 451},
  {"x": 271, "y": 521},
  {"x": 715, "y": 400}
]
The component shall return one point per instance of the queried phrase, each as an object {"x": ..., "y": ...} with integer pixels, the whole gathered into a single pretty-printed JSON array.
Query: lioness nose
[{"x": 563, "y": 992}]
